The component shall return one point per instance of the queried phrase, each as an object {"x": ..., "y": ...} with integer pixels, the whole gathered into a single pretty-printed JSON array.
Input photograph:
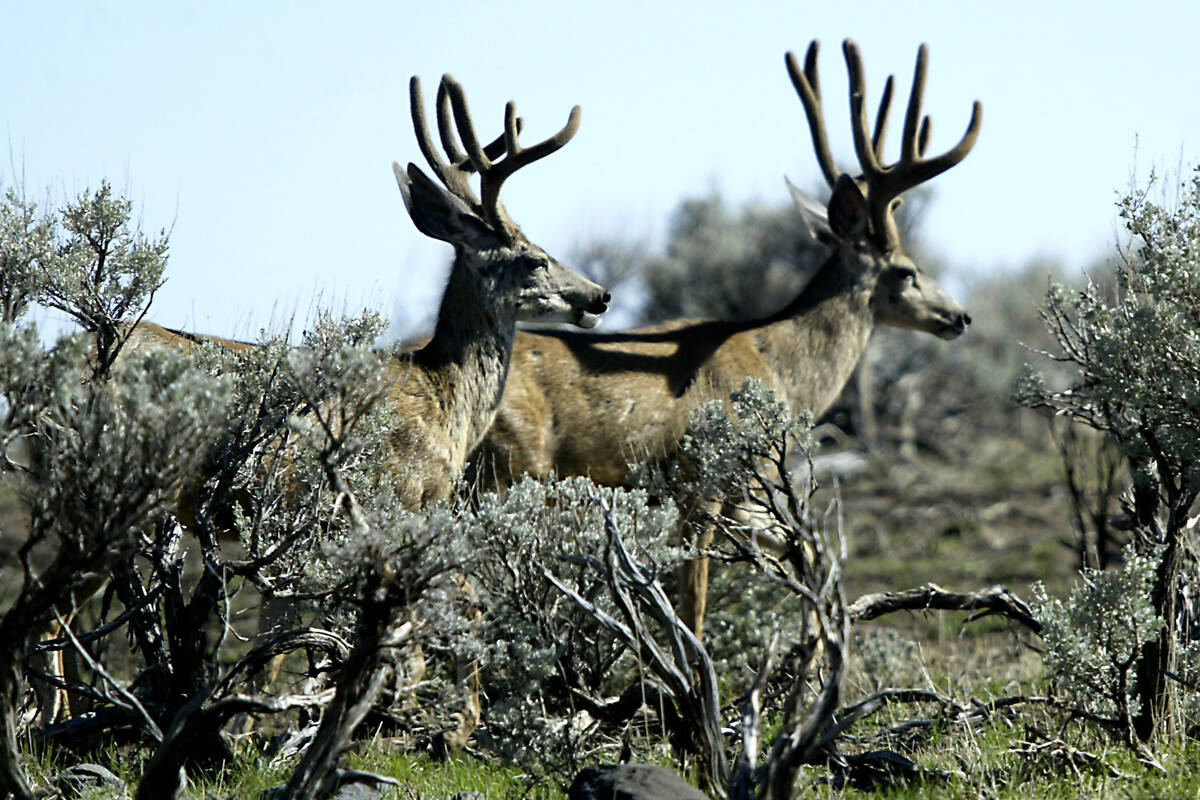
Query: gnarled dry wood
[{"x": 992, "y": 600}]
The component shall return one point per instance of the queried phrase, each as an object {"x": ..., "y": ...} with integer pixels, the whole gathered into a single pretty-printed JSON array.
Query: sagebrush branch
[{"x": 992, "y": 600}]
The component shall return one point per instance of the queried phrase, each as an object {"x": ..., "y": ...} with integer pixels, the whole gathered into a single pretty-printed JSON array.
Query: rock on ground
[{"x": 632, "y": 782}]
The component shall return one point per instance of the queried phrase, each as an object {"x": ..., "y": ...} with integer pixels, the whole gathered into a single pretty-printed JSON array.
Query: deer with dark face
[
  {"x": 446, "y": 394},
  {"x": 441, "y": 399},
  {"x": 579, "y": 404}
]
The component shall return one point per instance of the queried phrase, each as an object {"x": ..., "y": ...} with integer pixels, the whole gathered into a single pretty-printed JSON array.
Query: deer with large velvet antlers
[
  {"x": 578, "y": 404},
  {"x": 442, "y": 397},
  {"x": 446, "y": 394}
]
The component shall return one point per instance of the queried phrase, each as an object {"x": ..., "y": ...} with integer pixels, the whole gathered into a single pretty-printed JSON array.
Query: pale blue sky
[{"x": 264, "y": 132}]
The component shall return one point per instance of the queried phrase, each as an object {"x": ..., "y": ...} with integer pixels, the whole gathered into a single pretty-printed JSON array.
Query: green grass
[
  {"x": 981, "y": 762},
  {"x": 428, "y": 778},
  {"x": 986, "y": 766},
  {"x": 420, "y": 776},
  {"x": 248, "y": 776}
]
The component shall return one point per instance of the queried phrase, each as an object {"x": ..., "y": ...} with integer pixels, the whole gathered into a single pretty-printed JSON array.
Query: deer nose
[
  {"x": 965, "y": 319},
  {"x": 600, "y": 305}
]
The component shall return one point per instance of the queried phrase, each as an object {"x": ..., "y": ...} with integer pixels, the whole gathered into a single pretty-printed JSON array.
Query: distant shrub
[{"x": 26, "y": 238}]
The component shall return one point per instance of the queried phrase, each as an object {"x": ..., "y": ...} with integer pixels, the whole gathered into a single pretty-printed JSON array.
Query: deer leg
[
  {"x": 52, "y": 702},
  {"x": 466, "y": 682},
  {"x": 466, "y": 678},
  {"x": 70, "y": 662},
  {"x": 275, "y": 613},
  {"x": 698, "y": 532}
]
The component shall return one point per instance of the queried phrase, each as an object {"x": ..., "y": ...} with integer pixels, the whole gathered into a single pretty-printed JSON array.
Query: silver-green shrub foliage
[
  {"x": 415, "y": 563},
  {"x": 726, "y": 450},
  {"x": 26, "y": 238},
  {"x": 1138, "y": 353},
  {"x": 1093, "y": 638},
  {"x": 107, "y": 457},
  {"x": 732, "y": 450},
  {"x": 539, "y": 647},
  {"x": 101, "y": 271},
  {"x": 274, "y": 436},
  {"x": 545, "y": 660},
  {"x": 113, "y": 444},
  {"x": 104, "y": 457},
  {"x": 1134, "y": 354}
]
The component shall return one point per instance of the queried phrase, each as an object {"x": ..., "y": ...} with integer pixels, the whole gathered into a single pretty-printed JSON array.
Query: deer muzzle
[
  {"x": 590, "y": 317},
  {"x": 955, "y": 326}
]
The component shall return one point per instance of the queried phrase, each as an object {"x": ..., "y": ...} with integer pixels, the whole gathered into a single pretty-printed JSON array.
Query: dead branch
[
  {"x": 806, "y": 738},
  {"x": 683, "y": 665},
  {"x": 953, "y": 712},
  {"x": 359, "y": 686},
  {"x": 200, "y": 720},
  {"x": 64, "y": 643},
  {"x": 875, "y": 768},
  {"x": 741, "y": 783},
  {"x": 1060, "y": 752},
  {"x": 120, "y": 696},
  {"x": 992, "y": 600},
  {"x": 849, "y": 715},
  {"x": 282, "y": 642}
]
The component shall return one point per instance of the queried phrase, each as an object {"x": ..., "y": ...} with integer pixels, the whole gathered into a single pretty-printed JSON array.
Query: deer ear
[
  {"x": 847, "y": 209},
  {"x": 439, "y": 214},
  {"x": 812, "y": 215}
]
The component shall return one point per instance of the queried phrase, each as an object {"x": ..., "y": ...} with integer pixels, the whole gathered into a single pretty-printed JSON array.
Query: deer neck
[
  {"x": 469, "y": 353},
  {"x": 813, "y": 345}
]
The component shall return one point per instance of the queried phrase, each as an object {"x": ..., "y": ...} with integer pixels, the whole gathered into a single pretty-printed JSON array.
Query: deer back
[{"x": 592, "y": 404}]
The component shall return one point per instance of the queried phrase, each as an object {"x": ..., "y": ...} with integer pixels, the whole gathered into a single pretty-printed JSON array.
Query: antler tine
[
  {"x": 494, "y": 161},
  {"x": 912, "y": 115},
  {"x": 885, "y": 184},
  {"x": 493, "y": 149},
  {"x": 450, "y": 172},
  {"x": 493, "y": 178},
  {"x": 864, "y": 148},
  {"x": 466, "y": 129},
  {"x": 923, "y": 137},
  {"x": 497, "y": 147},
  {"x": 881, "y": 118},
  {"x": 445, "y": 128},
  {"x": 808, "y": 86},
  {"x": 510, "y": 127},
  {"x": 416, "y": 102},
  {"x": 913, "y": 168}
]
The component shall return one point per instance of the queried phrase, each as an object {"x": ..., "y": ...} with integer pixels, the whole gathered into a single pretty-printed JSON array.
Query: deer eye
[
  {"x": 533, "y": 262},
  {"x": 906, "y": 274}
]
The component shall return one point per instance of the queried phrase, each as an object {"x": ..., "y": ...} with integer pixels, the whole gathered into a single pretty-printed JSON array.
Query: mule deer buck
[
  {"x": 449, "y": 394},
  {"x": 442, "y": 398},
  {"x": 590, "y": 405}
]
